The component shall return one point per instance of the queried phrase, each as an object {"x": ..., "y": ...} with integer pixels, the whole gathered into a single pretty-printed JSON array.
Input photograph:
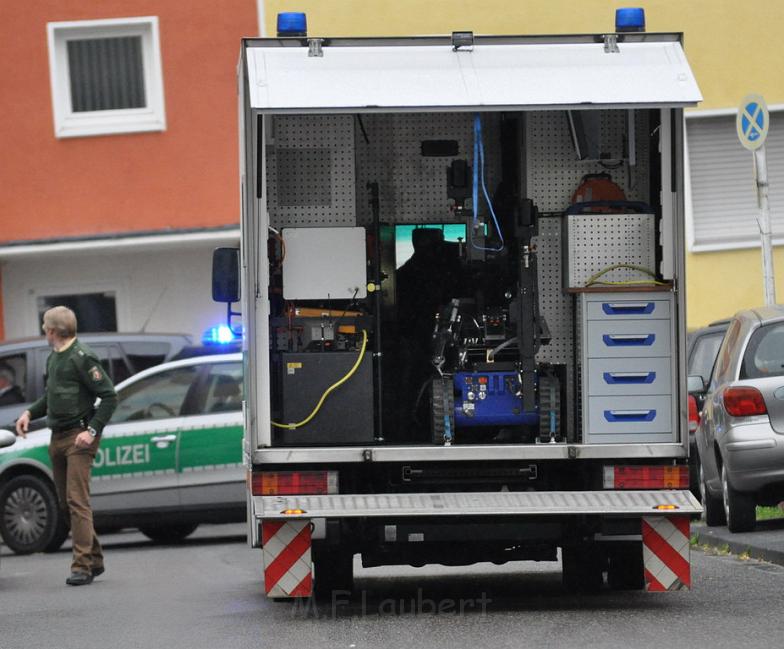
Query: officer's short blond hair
[{"x": 61, "y": 320}]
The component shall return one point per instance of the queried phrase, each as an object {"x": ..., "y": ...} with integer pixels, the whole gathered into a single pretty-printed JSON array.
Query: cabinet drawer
[
  {"x": 629, "y": 376},
  {"x": 629, "y": 338},
  {"x": 612, "y": 309},
  {"x": 629, "y": 419}
]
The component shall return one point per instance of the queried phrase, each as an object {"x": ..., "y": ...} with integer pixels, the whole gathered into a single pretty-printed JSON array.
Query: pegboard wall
[
  {"x": 599, "y": 241},
  {"x": 311, "y": 171},
  {"x": 412, "y": 187},
  {"x": 556, "y": 306},
  {"x": 553, "y": 170}
]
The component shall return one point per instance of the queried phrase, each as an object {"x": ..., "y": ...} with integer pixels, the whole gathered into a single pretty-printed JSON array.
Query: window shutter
[
  {"x": 106, "y": 73},
  {"x": 723, "y": 192}
]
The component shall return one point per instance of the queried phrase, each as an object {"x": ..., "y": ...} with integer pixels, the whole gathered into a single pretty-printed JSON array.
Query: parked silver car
[{"x": 740, "y": 438}]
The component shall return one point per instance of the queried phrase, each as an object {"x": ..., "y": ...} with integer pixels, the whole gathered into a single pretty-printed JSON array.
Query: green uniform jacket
[{"x": 74, "y": 379}]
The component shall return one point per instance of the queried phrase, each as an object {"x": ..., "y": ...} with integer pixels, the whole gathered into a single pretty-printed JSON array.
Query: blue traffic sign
[{"x": 752, "y": 122}]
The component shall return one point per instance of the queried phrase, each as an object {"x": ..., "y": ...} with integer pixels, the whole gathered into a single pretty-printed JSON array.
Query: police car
[{"x": 170, "y": 458}]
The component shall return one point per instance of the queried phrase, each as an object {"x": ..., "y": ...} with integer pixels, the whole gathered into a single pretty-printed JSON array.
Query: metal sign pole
[
  {"x": 763, "y": 220},
  {"x": 752, "y": 124}
]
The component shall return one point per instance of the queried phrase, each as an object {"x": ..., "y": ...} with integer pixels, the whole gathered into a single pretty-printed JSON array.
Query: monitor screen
[{"x": 404, "y": 248}]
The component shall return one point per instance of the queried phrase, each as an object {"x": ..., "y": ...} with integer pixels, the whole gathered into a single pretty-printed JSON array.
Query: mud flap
[
  {"x": 666, "y": 553},
  {"x": 286, "y": 549}
]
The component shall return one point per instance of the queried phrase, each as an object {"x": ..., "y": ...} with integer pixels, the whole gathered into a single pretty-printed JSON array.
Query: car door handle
[{"x": 163, "y": 439}]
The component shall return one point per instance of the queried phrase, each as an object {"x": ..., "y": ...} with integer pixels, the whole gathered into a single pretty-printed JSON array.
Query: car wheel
[
  {"x": 29, "y": 516},
  {"x": 60, "y": 534},
  {"x": 739, "y": 508},
  {"x": 173, "y": 533},
  {"x": 712, "y": 507},
  {"x": 694, "y": 476}
]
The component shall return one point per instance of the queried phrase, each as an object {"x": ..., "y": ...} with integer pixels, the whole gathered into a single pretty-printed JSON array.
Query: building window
[
  {"x": 106, "y": 77},
  {"x": 94, "y": 311},
  {"x": 723, "y": 194}
]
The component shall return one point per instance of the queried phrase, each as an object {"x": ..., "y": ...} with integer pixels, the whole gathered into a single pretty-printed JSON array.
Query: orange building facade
[{"x": 103, "y": 213}]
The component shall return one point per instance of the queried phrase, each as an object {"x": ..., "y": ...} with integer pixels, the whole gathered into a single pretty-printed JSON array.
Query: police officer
[{"x": 75, "y": 379}]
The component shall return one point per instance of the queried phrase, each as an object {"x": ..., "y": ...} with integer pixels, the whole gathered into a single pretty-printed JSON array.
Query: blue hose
[{"x": 479, "y": 177}]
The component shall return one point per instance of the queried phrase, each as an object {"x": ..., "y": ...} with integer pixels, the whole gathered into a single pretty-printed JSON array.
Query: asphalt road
[{"x": 208, "y": 593}]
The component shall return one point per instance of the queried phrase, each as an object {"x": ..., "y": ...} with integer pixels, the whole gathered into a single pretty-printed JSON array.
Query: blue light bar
[
  {"x": 219, "y": 335},
  {"x": 292, "y": 23},
  {"x": 630, "y": 19}
]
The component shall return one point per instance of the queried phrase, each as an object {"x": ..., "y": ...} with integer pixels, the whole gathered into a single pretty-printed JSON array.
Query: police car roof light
[{"x": 218, "y": 335}]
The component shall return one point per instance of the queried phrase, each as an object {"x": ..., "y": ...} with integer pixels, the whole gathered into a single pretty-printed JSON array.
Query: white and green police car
[{"x": 170, "y": 458}]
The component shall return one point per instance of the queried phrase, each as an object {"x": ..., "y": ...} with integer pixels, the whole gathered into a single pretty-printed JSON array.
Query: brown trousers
[{"x": 71, "y": 469}]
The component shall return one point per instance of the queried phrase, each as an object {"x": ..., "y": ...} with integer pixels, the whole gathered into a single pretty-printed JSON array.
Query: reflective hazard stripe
[
  {"x": 286, "y": 551},
  {"x": 666, "y": 553}
]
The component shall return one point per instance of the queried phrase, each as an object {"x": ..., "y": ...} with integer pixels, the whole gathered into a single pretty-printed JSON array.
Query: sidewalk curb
[{"x": 757, "y": 545}]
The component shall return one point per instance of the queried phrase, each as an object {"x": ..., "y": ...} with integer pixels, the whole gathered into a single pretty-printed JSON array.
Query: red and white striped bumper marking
[
  {"x": 286, "y": 550},
  {"x": 666, "y": 553}
]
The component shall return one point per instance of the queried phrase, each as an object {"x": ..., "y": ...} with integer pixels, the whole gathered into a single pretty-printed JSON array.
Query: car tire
[
  {"x": 333, "y": 571},
  {"x": 30, "y": 520},
  {"x": 172, "y": 533},
  {"x": 739, "y": 508},
  {"x": 712, "y": 507},
  {"x": 695, "y": 476},
  {"x": 60, "y": 534}
]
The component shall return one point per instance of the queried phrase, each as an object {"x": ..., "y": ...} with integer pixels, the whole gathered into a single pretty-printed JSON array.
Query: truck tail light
[
  {"x": 694, "y": 414},
  {"x": 744, "y": 401},
  {"x": 294, "y": 483},
  {"x": 646, "y": 477}
]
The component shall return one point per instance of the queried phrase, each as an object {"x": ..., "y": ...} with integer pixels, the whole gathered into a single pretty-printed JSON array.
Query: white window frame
[
  {"x": 691, "y": 241},
  {"x": 68, "y": 123}
]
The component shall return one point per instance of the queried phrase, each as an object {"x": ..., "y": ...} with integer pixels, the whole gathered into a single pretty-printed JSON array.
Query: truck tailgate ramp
[{"x": 621, "y": 503}]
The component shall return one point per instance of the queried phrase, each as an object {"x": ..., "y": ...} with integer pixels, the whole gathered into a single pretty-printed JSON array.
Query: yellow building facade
[{"x": 734, "y": 49}]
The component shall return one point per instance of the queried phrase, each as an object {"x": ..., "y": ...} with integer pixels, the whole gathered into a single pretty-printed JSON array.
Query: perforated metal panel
[
  {"x": 598, "y": 241},
  {"x": 413, "y": 187},
  {"x": 553, "y": 170},
  {"x": 310, "y": 171},
  {"x": 556, "y": 306}
]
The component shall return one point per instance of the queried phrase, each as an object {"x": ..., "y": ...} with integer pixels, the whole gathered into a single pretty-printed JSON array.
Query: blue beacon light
[
  {"x": 630, "y": 19},
  {"x": 292, "y": 23},
  {"x": 218, "y": 335}
]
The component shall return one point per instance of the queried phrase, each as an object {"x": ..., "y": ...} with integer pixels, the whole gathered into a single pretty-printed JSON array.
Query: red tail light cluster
[
  {"x": 646, "y": 477},
  {"x": 744, "y": 401},
  {"x": 694, "y": 414},
  {"x": 294, "y": 483}
]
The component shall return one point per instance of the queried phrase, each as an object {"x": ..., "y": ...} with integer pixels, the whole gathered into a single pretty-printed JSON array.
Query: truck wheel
[
  {"x": 334, "y": 571},
  {"x": 625, "y": 570},
  {"x": 29, "y": 516},
  {"x": 712, "y": 506},
  {"x": 739, "y": 508},
  {"x": 442, "y": 409},
  {"x": 549, "y": 402},
  {"x": 173, "y": 533},
  {"x": 583, "y": 569}
]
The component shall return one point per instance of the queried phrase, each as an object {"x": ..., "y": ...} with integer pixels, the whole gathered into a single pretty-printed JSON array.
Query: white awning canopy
[{"x": 491, "y": 76}]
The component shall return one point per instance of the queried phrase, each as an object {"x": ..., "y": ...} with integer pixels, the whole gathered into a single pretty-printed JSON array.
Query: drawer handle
[
  {"x": 628, "y": 308},
  {"x": 633, "y": 340},
  {"x": 629, "y": 378},
  {"x": 627, "y": 416}
]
